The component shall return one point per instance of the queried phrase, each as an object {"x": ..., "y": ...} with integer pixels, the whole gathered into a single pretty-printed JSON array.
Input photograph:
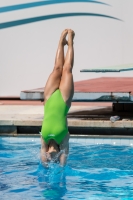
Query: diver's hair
[{"x": 52, "y": 141}]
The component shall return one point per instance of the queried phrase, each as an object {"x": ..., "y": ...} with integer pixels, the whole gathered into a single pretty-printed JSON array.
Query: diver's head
[{"x": 53, "y": 151}]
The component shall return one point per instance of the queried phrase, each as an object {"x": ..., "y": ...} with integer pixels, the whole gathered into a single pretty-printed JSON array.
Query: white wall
[{"x": 27, "y": 52}]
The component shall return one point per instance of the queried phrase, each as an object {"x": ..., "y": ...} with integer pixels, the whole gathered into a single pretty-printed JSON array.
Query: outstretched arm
[
  {"x": 63, "y": 157},
  {"x": 64, "y": 146},
  {"x": 44, "y": 149}
]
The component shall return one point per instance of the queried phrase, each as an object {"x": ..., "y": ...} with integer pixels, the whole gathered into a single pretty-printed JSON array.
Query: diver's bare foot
[
  {"x": 63, "y": 40},
  {"x": 71, "y": 35}
]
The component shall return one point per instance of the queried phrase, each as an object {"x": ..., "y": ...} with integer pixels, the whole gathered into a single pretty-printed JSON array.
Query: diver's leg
[
  {"x": 66, "y": 86},
  {"x": 54, "y": 79}
]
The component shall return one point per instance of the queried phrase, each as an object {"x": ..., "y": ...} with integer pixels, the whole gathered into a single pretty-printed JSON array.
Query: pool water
[{"x": 93, "y": 172}]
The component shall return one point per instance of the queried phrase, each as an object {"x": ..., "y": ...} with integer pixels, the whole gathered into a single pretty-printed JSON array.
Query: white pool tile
[
  {"x": 13, "y": 139},
  {"x": 78, "y": 140},
  {"x": 37, "y": 140},
  {"x": 125, "y": 141},
  {"x": 90, "y": 141},
  {"x": 107, "y": 141},
  {"x": 83, "y": 140},
  {"x": 98, "y": 141},
  {"x": 23, "y": 139},
  {"x": 131, "y": 142},
  {"x": 72, "y": 140},
  {"x": 116, "y": 141}
]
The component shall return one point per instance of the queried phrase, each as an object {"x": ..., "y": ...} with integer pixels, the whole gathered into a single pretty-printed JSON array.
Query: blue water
[{"x": 93, "y": 172}]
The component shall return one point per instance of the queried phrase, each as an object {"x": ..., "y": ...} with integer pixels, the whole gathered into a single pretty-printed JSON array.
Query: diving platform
[{"x": 118, "y": 68}]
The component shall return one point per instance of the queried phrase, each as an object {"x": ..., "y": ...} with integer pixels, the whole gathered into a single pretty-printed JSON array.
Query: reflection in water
[{"x": 52, "y": 181}]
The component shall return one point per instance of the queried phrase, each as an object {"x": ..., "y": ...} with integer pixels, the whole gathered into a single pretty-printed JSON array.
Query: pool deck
[{"x": 25, "y": 117}]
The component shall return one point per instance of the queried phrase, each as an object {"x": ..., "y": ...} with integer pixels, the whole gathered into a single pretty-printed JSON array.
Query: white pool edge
[{"x": 92, "y": 140}]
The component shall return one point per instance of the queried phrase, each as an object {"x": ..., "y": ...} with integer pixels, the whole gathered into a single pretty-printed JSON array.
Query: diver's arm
[
  {"x": 63, "y": 159},
  {"x": 64, "y": 146},
  {"x": 43, "y": 156},
  {"x": 43, "y": 151}
]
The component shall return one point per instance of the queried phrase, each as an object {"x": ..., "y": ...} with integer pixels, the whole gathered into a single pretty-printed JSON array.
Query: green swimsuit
[{"x": 55, "y": 123}]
